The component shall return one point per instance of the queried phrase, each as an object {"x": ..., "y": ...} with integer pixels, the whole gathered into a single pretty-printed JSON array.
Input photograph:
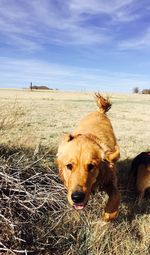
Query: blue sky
[{"x": 75, "y": 44}]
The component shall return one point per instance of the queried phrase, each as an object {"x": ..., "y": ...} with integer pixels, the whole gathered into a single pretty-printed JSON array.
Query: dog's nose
[{"x": 78, "y": 197}]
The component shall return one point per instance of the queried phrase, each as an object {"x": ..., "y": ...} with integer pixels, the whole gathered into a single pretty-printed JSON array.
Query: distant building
[
  {"x": 145, "y": 91},
  {"x": 40, "y": 87}
]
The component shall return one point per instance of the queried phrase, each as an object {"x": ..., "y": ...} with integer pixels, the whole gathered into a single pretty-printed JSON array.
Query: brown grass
[{"x": 35, "y": 217}]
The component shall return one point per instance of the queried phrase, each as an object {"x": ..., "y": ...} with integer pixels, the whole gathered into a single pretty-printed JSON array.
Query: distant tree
[
  {"x": 31, "y": 86},
  {"x": 136, "y": 90}
]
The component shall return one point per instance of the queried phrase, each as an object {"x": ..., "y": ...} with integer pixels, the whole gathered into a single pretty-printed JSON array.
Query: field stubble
[{"x": 35, "y": 217}]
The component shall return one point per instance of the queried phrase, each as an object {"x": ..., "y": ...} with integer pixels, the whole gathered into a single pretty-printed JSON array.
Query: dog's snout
[{"x": 78, "y": 197}]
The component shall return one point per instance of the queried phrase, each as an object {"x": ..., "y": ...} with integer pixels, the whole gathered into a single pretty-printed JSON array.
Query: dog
[
  {"x": 140, "y": 169},
  {"x": 86, "y": 160}
]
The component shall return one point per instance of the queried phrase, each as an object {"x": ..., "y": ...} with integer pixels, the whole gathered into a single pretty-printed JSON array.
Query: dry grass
[{"x": 35, "y": 217}]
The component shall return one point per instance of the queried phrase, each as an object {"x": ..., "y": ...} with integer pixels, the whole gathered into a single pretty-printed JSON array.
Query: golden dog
[
  {"x": 86, "y": 159},
  {"x": 141, "y": 169}
]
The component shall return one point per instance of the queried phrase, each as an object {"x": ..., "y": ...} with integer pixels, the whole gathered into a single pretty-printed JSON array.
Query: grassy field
[{"x": 35, "y": 217}]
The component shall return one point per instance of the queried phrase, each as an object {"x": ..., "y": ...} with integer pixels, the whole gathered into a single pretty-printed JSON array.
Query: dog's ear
[
  {"x": 60, "y": 173},
  {"x": 109, "y": 155},
  {"x": 58, "y": 162},
  {"x": 115, "y": 155},
  {"x": 67, "y": 138}
]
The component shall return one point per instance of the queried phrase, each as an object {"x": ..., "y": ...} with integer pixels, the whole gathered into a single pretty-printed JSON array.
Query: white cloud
[
  {"x": 37, "y": 21},
  {"x": 43, "y": 20},
  {"x": 117, "y": 9},
  {"x": 140, "y": 42}
]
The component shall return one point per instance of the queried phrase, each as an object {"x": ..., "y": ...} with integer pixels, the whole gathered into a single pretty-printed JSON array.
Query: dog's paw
[{"x": 110, "y": 216}]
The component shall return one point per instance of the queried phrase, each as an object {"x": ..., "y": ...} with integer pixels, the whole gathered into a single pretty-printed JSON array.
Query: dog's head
[{"x": 79, "y": 162}]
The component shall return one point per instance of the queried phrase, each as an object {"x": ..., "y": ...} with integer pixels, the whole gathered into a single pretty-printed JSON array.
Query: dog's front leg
[{"x": 111, "y": 210}]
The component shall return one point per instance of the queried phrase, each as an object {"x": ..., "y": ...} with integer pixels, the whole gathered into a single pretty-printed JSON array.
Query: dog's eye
[
  {"x": 69, "y": 166},
  {"x": 90, "y": 167}
]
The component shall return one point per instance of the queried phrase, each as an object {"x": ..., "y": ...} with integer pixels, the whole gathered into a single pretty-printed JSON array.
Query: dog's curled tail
[{"x": 103, "y": 104}]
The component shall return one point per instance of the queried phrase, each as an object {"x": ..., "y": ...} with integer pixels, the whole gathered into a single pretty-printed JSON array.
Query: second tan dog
[
  {"x": 86, "y": 160},
  {"x": 140, "y": 168}
]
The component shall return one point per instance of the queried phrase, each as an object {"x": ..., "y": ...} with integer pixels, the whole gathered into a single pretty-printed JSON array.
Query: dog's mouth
[{"x": 79, "y": 206}]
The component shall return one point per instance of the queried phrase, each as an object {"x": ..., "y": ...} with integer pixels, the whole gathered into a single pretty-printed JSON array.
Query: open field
[{"x": 35, "y": 217}]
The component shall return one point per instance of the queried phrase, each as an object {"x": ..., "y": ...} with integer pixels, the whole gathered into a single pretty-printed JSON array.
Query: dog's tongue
[{"x": 78, "y": 206}]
